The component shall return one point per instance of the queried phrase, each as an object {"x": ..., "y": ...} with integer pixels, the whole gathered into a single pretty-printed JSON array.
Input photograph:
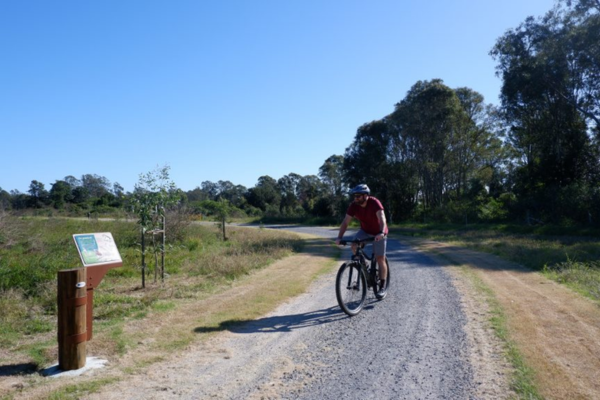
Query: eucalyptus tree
[
  {"x": 153, "y": 195},
  {"x": 224, "y": 187},
  {"x": 117, "y": 195},
  {"x": 581, "y": 20},
  {"x": 372, "y": 159},
  {"x": 288, "y": 188},
  {"x": 118, "y": 190},
  {"x": 196, "y": 195},
  {"x": 474, "y": 142},
  {"x": 433, "y": 147},
  {"x": 550, "y": 97},
  {"x": 5, "y": 203},
  {"x": 332, "y": 175},
  {"x": 425, "y": 122},
  {"x": 60, "y": 194},
  {"x": 18, "y": 200},
  {"x": 80, "y": 195},
  {"x": 96, "y": 185},
  {"x": 72, "y": 181},
  {"x": 211, "y": 189},
  {"x": 234, "y": 194},
  {"x": 265, "y": 195},
  {"x": 366, "y": 159},
  {"x": 308, "y": 191},
  {"x": 38, "y": 195}
]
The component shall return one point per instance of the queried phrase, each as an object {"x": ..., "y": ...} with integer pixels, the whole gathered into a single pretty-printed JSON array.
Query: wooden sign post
[
  {"x": 99, "y": 254},
  {"x": 72, "y": 326}
]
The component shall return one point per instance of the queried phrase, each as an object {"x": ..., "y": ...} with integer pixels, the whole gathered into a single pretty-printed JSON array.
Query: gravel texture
[{"x": 411, "y": 345}]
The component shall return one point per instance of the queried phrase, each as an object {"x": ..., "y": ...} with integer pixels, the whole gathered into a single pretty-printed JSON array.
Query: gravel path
[
  {"x": 409, "y": 346},
  {"x": 412, "y": 345}
]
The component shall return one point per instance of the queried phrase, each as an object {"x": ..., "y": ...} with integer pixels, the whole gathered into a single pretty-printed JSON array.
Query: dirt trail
[{"x": 557, "y": 330}]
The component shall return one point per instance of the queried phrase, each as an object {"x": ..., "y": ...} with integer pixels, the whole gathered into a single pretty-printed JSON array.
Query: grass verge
[
  {"x": 568, "y": 259},
  {"x": 73, "y": 392},
  {"x": 210, "y": 286},
  {"x": 522, "y": 380}
]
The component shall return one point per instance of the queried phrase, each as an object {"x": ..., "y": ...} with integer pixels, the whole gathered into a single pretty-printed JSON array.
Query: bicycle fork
[
  {"x": 354, "y": 282},
  {"x": 351, "y": 284},
  {"x": 369, "y": 275}
]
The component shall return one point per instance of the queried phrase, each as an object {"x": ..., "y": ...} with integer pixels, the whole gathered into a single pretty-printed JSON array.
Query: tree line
[
  {"x": 443, "y": 154},
  {"x": 292, "y": 196}
]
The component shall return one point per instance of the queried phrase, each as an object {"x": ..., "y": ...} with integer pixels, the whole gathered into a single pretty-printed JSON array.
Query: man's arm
[
  {"x": 343, "y": 228},
  {"x": 382, "y": 224}
]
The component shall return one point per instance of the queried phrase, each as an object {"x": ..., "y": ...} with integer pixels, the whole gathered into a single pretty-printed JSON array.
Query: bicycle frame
[
  {"x": 368, "y": 269},
  {"x": 356, "y": 277}
]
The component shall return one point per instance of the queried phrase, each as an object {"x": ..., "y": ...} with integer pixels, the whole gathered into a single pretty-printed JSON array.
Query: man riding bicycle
[{"x": 369, "y": 211}]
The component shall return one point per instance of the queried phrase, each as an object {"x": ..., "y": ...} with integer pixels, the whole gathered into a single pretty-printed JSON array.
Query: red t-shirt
[{"x": 367, "y": 215}]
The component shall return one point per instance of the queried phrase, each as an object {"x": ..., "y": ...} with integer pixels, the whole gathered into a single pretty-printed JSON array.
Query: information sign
[{"x": 97, "y": 248}]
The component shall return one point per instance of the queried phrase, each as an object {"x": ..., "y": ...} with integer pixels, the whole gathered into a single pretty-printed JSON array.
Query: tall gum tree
[{"x": 550, "y": 96}]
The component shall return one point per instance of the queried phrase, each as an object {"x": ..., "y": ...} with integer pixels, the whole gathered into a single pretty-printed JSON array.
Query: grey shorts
[{"x": 379, "y": 247}]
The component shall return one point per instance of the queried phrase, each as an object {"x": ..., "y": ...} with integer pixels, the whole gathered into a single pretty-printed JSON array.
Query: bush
[
  {"x": 252, "y": 211},
  {"x": 177, "y": 221},
  {"x": 272, "y": 211},
  {"x": 492, "y": 210},
  {"x": 584, "y": 276}
]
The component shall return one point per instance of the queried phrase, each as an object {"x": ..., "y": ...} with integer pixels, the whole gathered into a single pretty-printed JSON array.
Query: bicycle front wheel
[{"x": 351, "y": 288}]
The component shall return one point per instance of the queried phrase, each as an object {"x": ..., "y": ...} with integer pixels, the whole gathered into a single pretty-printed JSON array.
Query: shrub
[{"x": 492, "y": 210}]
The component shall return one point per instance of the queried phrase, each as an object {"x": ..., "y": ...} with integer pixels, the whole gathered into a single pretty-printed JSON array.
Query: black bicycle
[{"x": 356, "y": 276}]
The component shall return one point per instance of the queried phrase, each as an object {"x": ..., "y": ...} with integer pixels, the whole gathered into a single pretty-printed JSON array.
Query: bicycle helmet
[{"x": 361, "y": 189}]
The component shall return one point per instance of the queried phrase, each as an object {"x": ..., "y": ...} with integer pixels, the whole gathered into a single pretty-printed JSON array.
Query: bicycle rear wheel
[
  {"x": 387, "y": 281},
  {"x": 351, "y": 288}
]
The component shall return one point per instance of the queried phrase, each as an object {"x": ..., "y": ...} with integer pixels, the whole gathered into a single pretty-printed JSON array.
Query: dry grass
[
  {"x": 571, "y": 260},
  {"x": 174, "y": 323},
  {"x": 196, "y": 268},
  {"x": 9, "y": 231}
]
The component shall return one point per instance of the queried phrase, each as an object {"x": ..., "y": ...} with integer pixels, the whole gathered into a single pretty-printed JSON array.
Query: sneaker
[{"x": 382, "y": 288}]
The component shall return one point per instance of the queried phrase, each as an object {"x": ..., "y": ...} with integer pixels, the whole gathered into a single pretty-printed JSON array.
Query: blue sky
[{"x": 223, "y": 90}]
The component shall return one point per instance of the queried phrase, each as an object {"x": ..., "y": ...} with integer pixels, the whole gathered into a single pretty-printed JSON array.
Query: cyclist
[{"x": 369, "y": 211}]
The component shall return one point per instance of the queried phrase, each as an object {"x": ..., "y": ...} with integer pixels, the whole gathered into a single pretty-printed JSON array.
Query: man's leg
[
  {"x": 379, "y": 248},
  {"x": 382, "y": 267}
]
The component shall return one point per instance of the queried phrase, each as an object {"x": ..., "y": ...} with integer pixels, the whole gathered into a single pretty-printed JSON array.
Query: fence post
[{"x": 72, "y": 316}]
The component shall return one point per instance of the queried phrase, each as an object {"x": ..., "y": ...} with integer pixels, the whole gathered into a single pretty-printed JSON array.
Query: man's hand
[{"x": 379, "y": 236}]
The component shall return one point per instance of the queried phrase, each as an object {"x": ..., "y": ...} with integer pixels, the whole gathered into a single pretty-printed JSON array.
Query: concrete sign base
[{"x": 90, "y": 363}]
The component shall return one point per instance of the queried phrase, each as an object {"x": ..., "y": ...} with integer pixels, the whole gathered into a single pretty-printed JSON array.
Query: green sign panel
[{"x": 97, "y": 248}]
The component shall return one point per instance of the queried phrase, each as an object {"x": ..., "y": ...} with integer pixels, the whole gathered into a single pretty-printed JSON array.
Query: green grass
[
  {"x": 568, "y": 255},
  {"x": 164, "y": 306},
  {"x": 33, "y": 250},
  {"x": 583, "y": 277},
  {"x": 197, "y": 266},
  {"x": 76, "y": 391}
]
